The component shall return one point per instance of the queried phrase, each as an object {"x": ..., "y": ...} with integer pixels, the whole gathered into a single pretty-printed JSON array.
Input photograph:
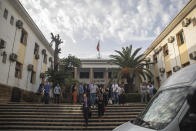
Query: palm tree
[{"x": 132, "y": 65}]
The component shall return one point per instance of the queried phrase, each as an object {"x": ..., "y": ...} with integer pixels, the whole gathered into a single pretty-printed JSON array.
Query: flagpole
[
  {"x": 99, "y": 50},
  {"x": 99, "y": 55}
]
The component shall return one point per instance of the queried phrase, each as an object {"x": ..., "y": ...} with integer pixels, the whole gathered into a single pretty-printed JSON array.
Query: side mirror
[
  {"x": 191, "y": 98},
  {"x": 189, "y": 121}
]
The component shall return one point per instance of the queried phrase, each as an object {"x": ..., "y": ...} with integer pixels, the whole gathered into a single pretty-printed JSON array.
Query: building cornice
[
  {"x": 181, "y": 15},
  {"x": 27, "y": 18}
]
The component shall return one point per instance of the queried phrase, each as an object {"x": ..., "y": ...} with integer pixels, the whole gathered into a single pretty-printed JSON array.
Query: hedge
[{"x": 132, "y": 97}]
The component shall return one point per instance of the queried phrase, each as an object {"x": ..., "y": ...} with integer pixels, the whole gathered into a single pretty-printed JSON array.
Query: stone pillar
[
  {"x": 91, "y": 74},
  {"x": 75, "y": 73},
  {"x": 106, "y": 76}
]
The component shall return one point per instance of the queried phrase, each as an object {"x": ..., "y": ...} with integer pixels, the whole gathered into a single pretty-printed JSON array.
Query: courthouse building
[
  {"x": 175, "y": 47},
  {"x": 95, "y": 70},
  {"x": 25, "y": 53}
]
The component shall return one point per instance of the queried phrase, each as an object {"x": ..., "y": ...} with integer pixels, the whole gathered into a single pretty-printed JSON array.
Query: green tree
[
  {"x": 132, "y": 65},
  {"x": 65, "y": 72},
  {"x": 70, "y": 62}
]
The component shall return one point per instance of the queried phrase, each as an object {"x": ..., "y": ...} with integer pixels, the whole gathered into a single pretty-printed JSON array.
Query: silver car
[{"x": 169, "y": 109}]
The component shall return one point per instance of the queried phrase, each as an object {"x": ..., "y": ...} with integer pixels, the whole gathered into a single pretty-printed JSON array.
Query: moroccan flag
[{"x": 98, "y": 46}]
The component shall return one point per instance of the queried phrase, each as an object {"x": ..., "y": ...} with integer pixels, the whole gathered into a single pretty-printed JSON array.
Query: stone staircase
[{"x": 63, "y": 117}]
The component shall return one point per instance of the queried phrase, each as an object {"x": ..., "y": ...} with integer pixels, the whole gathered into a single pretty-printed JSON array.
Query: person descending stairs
[{"x": 63, "y": 117}]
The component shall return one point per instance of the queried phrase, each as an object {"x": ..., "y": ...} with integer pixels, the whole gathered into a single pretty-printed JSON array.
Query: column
[
  {"x": 91, "y": 74},
  {"x": 75, "y": 73},
  {"x": 106, "y": 75}
]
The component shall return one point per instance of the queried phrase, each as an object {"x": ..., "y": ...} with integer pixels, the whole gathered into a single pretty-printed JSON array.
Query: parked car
[{"x": 172, "y": 108}]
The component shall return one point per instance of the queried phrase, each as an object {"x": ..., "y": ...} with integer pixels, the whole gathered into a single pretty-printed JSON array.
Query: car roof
[{"x": 184, "y": 77}]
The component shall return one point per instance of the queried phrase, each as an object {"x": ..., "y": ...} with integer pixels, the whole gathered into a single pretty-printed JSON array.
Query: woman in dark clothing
[
  {"x": 122, "y": 96},
  {"x": 85, "y": 109},
  {"x": 106, "y": 97},
  {"x": 100, "y": 104}
]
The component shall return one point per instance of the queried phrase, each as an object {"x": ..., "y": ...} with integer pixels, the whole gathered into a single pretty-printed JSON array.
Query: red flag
[{"x": 98, "y": 46}]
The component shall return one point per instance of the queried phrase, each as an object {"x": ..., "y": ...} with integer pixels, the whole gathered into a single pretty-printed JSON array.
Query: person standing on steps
[
  {"x": 74, "y": 94},
  {"x": 121, "y": 96},
  {"x": 100, "y": 104},
  {"x": 115, "y": 89},
  {"x": 47, "y": 88},
  {"x": 40, "y": 93},
  {"x": 144, "y": 92},
  {"x": 81, "y": 92},
  {"x": 85, "y": 109},
  {"x": 57, "y": 92},
  {"x": 93, "y": 94}
]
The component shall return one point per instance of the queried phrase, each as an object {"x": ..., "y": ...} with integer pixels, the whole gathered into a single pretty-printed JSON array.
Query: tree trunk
[{"x": 130, "y": 84}]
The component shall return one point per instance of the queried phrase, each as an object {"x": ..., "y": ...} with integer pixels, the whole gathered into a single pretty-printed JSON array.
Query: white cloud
[
  {"x": 82, "y": 23},
  {"x": 157, "y": 31}
]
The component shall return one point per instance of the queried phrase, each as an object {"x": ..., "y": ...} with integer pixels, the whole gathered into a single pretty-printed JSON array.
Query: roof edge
[{"x": 20, "y": 8}]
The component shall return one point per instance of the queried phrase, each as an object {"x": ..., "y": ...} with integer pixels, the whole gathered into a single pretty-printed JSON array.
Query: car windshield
[{"x": 162, "y": 109}]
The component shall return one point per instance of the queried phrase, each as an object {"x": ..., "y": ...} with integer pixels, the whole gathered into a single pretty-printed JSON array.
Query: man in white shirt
[
  {"x": 93, "y": 93},
  {"x": 115, "y": 91},
  {"x": 57, "y": 92}
]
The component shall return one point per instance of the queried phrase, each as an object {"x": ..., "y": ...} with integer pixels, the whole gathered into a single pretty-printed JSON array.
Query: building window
[
  {"x": 180, "y": 38},
  {"x": 23, "y": 38},
  {"x": 155, "y": 58},
  {"x": 33, "y": 77},
  {"x": 12, "y": 20},
  {"x": 98, "y": 75},
  {"x": 36, "y": 49},
  {"x": 84, "y": 75},
  {"x": 109, "y": 75},
  {"x": 186, "y": 64},
  {"x": 169, "y": 73},
  {"x": 45, "y": 58},
  {"x": 5, "y": 14},
  {"x": 165, "y": 50},
  {"x": 18, "y": 70},
  {"x": 72, "y": 74},
  {"x": 112, "y": 75}
]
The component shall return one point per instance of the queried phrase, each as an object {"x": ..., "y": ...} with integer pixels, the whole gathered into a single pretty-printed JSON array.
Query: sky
[{"x": 116, "y": 23}]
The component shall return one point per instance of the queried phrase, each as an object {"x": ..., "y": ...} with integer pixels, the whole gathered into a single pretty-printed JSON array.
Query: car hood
[{"x": 128, "y": 126}]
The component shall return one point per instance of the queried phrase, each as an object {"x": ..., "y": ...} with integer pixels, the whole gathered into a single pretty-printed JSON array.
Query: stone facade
[
  {"x": 24, "y": 51},
  {"x": 173, "y": 48}
]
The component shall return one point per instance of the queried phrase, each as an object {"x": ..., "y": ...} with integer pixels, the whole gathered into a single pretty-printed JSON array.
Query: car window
[{"x": 163, "y": 108}]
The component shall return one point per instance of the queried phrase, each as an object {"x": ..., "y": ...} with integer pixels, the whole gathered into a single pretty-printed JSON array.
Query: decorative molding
[
  {"x": 192, "y": 55},
  {"x": 162, "y": 70},
  {"x": 19, "y": 24},
  {"x": 176, "y": 68},
  {"x": 186, "y": 22},
  {"x": 30, "y": 67},
  {"x": 171, "y": 39},
  {"x": 13, "y": 57}
]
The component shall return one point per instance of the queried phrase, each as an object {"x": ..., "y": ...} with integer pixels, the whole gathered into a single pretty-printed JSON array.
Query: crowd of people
[
  {"x": 147, "y": 91},
  {"x": 45, "y": 91},
  {"x": 93, "y": 95}
]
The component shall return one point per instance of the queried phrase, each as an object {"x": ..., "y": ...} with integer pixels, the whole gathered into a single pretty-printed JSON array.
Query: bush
[
  {"x": 16, "y": 94},
  {"x": 132, "y": 97},
  {"x": 28, "y": 96}
]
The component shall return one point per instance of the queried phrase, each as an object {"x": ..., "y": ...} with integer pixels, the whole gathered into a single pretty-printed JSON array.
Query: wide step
[{"x": 52, "y": 117}]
